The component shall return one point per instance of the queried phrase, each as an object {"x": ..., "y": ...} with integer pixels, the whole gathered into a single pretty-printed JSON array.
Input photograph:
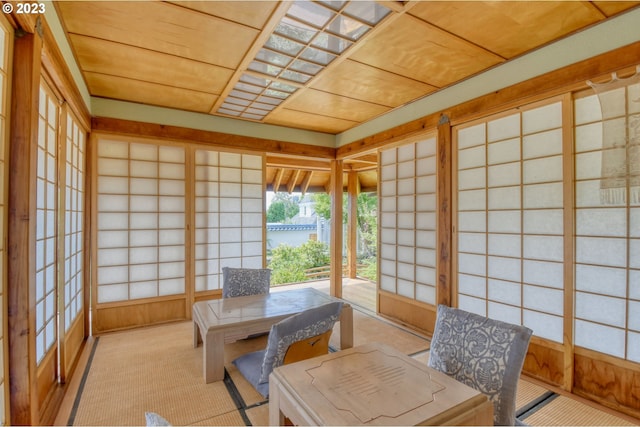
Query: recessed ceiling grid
[{"x": 310, "y": 36}]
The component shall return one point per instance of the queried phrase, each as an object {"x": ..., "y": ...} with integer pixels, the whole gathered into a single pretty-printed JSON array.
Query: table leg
[
  {"x": 196, "y": 334},
  {"x": 346, "y": 327},
  {"x": 213, "y": 357},
  {"x": 276, "y": 417}
]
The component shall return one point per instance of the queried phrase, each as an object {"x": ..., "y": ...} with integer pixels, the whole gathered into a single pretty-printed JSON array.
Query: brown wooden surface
[
  {"x": 544, "y": 362},
  {"x": 444, "y": 292},
  {"x": 607, "y": 380},
  {"x": 406, "y": 311},
  {"x": 352, "y": 223},
  {"x": 322, "y": 391},
  {"x": 21, "y": 248},
  {"x": 144, "y": 313},
  {"x": 335, "y": 250}
]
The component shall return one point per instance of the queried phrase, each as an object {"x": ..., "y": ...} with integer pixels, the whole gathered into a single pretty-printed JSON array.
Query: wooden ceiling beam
[
  {"x": 298, "y": 163},
  {"x": 291, "y": 185},
  {"x": 304, "y": 185},
  {"x": 277, "y": 180}
]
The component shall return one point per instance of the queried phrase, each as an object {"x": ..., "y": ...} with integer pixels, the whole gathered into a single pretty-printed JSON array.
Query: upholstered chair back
[
  {"x": 238, "y": 282},
  {"x": 483, "y": 353}
]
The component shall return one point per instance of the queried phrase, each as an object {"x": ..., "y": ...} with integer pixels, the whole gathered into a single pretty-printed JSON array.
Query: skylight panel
[
  {"x": 312, "y": 13},
  {"x": 309, "y": 37}
]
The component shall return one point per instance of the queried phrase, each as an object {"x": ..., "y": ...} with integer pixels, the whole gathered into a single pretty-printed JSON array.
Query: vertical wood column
[
  {"x": 22, "y": 223},
  {"x": 444, "y": 234},
  {"x": 352, "y": 224},
  {"x": 336, "y": 229}
]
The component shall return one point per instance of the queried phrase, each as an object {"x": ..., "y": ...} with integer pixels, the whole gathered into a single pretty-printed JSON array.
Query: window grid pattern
[
  {"x": 408, "y": 221},
  {"x": 4, "y": 106},
  {"x": 46, "y": 224},
  {"x": 74, "y": 223},
  {"x": 510, "y": 219},
  {"x": 308, "y": 38},
  {"x": 607, "y": 242},
  {"x": 141, "y": 221},
  {"x": 228, "y": 215}
]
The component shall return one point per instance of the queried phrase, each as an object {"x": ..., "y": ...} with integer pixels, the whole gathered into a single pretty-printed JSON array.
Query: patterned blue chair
[
  {"x": 238, "y": 282},
  {"x": 315, "y": 323},
  {"x": 482, "y": 353}
]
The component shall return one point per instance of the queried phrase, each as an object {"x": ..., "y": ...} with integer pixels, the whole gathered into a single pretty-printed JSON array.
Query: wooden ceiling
[{"x": 191, "y": 55}]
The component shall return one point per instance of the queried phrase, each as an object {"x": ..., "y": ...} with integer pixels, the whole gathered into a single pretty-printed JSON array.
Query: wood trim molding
[
  {"x": 336, "y": 228},
  {"x": 22, "y": 223},
  {"x": 444, "y": 292},
  {"x": 209, "y": 138}
]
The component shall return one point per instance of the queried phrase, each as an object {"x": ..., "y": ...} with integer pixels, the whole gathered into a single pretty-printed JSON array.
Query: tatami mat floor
[{"x": 157, "y": 369}]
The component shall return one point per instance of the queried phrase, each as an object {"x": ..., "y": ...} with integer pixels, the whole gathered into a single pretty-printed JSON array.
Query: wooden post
[
  {"x": 22, "y": 223},
  {"x": 336, "y": 228},
  {"x": 352, "y": 224},
  {"x": 443, "y": 290}
]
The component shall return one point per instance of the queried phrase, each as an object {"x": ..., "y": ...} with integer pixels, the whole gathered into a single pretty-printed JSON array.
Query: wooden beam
[
  {"x": 444, "y": 291},
  {"x": 298, "y": 163},
  {"x": 335, "y": 287},
  {"x": 219, "y": 140},
  {"x": 277, "y": 180},
  {"x": 22, "y": 223},
  {"x": 304, "y": 185},
  {"x": 352, "y": 223},
  {"x": 291, "y": 185}
]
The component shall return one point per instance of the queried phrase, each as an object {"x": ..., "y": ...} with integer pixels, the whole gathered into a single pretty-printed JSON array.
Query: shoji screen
[
  {"x": 74, "y": 221},
  {"x": 229, "y": 219},
  {"x": 46, "y": 224},
  {"x": 5, "y": 84},
  {"x": 150, "y": 206},
  {"x": 510, "y": 219},
  {"x": 408, "y": 221},
  {"x": 141, "y": 220},
  {"x": 607, "y": 270}
]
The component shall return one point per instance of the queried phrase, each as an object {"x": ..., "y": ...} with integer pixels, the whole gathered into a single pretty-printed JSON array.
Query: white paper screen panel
[
  {"x": 408, "y": 220},
  {"x": 607, "y": 270},
  {"x": 74, "y": 225},
  {"x": 46, "y": 223},
  {"x": 509, "y": 241},
  {"x": 140, "y": 248},
  {"x": 229, "y": 215}
]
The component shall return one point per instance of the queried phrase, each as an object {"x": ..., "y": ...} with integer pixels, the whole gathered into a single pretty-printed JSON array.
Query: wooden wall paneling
[
  {"x": 607, "y": 380},
  {"x": 545, "y": 361},
  {"x": 444, "y": 291},
  {"x": 569, "y": 227},
  {"x": 336, "y": 228},
  {"x": 352, "y": 223},
  {"x": 406, "y": 311},
  {"x": 24, "y": 140},
  {"x": 113, "y": 317}
]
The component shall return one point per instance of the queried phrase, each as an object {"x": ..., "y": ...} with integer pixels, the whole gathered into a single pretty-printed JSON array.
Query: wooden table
[
  {"x": 221, "y": 321},
  {"x": 372, "y": 384}
]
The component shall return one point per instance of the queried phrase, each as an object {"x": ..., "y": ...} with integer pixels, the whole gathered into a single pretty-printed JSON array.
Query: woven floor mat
[
  {"x": 151, "y": 369},
  {"x": 563, "y": 410}
]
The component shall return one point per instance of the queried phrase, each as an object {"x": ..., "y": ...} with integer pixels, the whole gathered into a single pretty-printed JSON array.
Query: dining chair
[
  {"x": 238, "y": 282},
  {"x": 301, "y": 336},
  {"x": 483, "y": 353}
]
